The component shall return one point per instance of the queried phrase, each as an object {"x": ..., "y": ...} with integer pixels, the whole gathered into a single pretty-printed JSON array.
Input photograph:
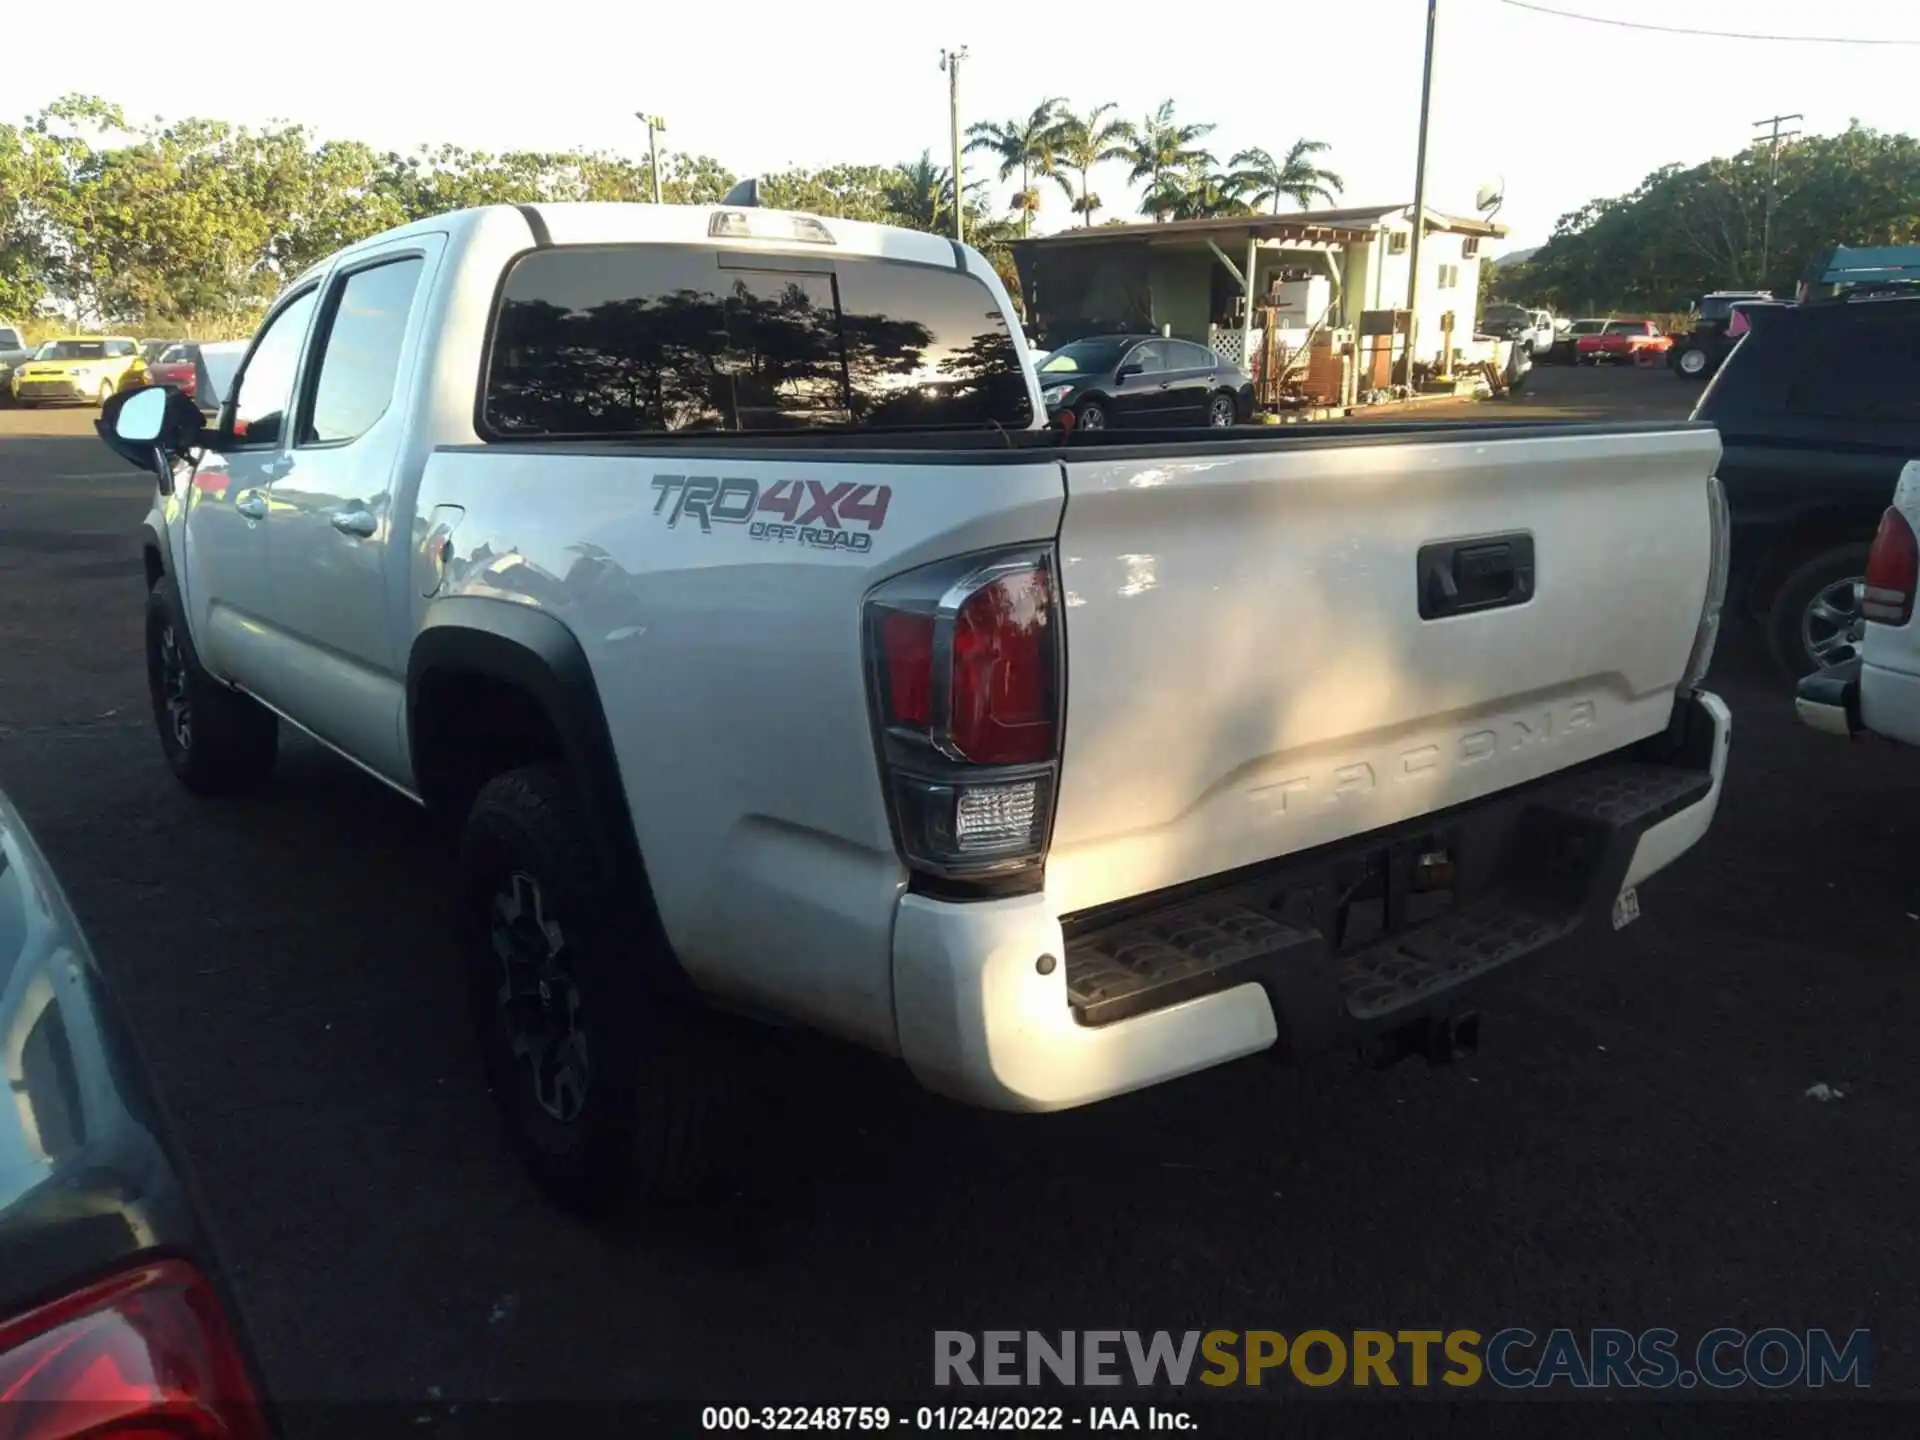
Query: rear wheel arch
[
  {"x": 1800, "y": 540},
  {"x": 493, "y": 686}
]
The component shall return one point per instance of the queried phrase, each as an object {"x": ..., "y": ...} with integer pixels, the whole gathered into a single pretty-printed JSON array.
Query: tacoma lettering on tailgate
[
  {"x": 1340, "y": 782},
  {"x": 806, "y": 512}
]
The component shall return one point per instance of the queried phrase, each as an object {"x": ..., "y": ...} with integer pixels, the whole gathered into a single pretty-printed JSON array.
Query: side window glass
[
  {"x": 359, "y": 356},
  {"x": 1193, "y": 357},
  {"x": 1151, "y": 358},
  {"x": 1868, "y": 370},
  {"x": 263, "y": 391}
]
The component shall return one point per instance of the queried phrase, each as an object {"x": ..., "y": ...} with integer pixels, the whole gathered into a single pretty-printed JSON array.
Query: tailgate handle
[{"x": 1459, "y": 577}]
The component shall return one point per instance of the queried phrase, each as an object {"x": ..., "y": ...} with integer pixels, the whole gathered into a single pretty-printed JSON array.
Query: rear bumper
[
  {"x": 1000, "y": 1005},
  {"x": 1857, "y": 698},
  {"x": 1829, "y": 700}
]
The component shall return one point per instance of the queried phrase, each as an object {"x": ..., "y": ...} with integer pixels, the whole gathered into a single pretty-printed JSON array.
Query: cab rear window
[{"x": 598, "y": 341}]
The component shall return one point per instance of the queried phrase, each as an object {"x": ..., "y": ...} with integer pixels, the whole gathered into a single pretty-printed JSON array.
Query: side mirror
[
  {"x": 1129, "y": 370},
  {"x": 150, "y": 428}
]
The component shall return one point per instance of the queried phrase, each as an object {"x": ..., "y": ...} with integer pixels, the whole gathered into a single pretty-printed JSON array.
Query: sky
[{"x": 1555, "y": 110}]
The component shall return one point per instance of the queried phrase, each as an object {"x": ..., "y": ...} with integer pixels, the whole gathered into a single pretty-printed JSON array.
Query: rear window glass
[
  {"x": 638, "y": 340},
  {"x": 1865, "y": 370}
]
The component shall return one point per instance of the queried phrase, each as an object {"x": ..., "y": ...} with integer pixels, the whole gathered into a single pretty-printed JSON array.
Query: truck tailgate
[{"x": 1250, "y": 672}]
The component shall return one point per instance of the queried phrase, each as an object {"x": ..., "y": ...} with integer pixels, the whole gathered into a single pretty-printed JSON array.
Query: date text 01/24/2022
[{"x": 1005, "y": 1419}]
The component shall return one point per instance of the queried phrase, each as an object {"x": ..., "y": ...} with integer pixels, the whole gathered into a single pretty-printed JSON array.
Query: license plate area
[{"x": 1389, "y": 889}]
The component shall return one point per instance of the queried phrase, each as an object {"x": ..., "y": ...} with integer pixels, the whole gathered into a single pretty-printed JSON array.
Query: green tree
[
  {"x": 1026, "y": 146},
  {"x": 1686, "y": 230},
  {"x": 852, "y": 192},
  {"x": 1159, "y": 151},
  {"x": 1086, "y": 141},
  {"x": 1263, "y": 179}
]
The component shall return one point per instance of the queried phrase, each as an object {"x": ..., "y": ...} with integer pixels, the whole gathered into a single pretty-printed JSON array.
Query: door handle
[
  {"x": 252, "y": 504},
  {"x": 1461, "y": 577},
  {"x": 359, "y": 523}
]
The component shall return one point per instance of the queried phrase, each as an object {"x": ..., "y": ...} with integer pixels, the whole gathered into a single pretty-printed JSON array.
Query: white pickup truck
[{"x": 714, "y": 570}]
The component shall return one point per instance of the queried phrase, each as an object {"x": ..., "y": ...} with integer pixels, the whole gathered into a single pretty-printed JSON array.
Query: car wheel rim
[
  {"x": 1832, "y": 626},
  {"x": 1693, "y": 362},
  {"x": 173, "y": 689},
  {"x": 1221, "y": 415},
  {"x": 1093, "y": 418},
  {"x": 539, "y": 1001}
]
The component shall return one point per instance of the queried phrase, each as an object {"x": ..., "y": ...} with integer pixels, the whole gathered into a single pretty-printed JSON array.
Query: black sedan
[
  {"x": 1143, "y": 380},
  {"x": 113, "y": 1315}
]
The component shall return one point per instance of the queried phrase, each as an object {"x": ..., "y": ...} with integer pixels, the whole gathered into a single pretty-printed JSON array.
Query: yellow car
[{"x": 87, "y": 368}]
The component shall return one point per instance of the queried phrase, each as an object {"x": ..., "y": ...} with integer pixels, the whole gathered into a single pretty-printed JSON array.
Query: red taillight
[
  {"x": 145, "y": 1353},
  {"x": 966, "y": 678},
  {"x": 979, "y": 681},
  {"x": 1893, "y": 569},
  {"x": 1001, "y": 700},
  {"x": 906, "y": 642}
]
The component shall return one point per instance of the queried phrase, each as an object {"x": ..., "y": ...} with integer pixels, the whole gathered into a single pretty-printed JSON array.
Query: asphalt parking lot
[{"x": 1633, "y": 1145}]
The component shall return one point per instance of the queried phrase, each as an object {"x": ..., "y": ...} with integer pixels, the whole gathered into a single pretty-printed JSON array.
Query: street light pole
[
  {"x": 1419, "y": 195},
  {"x": 1773, "y": 178},
  {"x": 654, "y": 124},
  {"x": 950, "y": 62}
]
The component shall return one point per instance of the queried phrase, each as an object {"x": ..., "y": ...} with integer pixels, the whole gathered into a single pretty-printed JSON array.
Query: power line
[{"x": 1712, "y": 34}]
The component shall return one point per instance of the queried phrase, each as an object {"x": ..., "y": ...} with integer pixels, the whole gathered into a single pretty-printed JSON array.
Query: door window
[
  {"x": 1188, "y": 356},
  {"x": 263, "y": 391},
  {"x": 359, "y": 351},
  {"x": 1150, "y": 357}
]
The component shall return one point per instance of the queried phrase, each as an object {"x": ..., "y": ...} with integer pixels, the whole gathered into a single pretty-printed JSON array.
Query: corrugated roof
[{"x": 1354, "y": 221}]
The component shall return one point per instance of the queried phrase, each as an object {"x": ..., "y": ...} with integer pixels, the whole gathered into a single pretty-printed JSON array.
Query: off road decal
[{"x": 830, "y": 515}]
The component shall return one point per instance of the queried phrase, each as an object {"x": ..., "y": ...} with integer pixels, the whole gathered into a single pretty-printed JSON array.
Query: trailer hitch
[{"x": 1439, "y": 1039}]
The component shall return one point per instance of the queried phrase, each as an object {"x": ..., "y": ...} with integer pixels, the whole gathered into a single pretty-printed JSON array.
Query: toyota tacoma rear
[{"x": 713, "y": 571}]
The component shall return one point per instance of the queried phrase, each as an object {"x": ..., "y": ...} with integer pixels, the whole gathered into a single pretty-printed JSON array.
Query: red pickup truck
[{"x": 1623, "y": 341}]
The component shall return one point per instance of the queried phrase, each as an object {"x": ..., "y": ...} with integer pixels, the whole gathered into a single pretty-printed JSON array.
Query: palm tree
[
  {"x": 1157, "y": 148},
  {"x": 1203, "y": 195},
  {"x": 919, "y": 195},
  {"x": 1263, "y": 178},
  {"x": 1024, "y": 145},
  {"x": 1085, "y": 141}
]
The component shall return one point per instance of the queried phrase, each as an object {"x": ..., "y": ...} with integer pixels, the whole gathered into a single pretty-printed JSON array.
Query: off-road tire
[{"x": 644, "y": 1131}]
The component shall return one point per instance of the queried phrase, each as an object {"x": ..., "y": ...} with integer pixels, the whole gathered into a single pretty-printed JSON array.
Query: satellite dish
[
  {"x": 1490, "y": 197},
  {"x": 745, "y": 194}
]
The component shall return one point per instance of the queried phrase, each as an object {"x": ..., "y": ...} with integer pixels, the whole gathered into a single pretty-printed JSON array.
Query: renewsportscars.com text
[{"x": 1514, "y": 1358}]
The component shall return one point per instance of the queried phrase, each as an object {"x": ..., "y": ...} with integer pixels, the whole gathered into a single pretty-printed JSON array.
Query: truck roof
[{"x": 749, "y": 227}]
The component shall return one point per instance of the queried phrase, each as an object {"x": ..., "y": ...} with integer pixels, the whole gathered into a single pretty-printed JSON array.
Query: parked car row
[{"x": 91, "y": 369}]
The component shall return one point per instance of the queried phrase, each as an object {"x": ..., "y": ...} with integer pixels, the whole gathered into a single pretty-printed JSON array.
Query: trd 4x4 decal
[{"x": 808, "y": 512}]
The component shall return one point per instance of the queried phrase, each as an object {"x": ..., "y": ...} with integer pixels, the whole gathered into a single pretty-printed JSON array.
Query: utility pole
[
  {"x": 1419, "y": 195},
  {"x": 654, "y": 125},
  {"x": 950, "y": 62},
  {"x": 1773, "y": 180}
]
